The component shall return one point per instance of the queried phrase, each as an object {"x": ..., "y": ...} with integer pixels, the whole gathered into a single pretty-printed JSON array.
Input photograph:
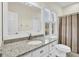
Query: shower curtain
[{"x": 68, "y": 31}]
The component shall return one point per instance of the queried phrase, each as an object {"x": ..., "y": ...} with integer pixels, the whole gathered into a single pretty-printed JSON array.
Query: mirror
[
  {"x": 26, "y": 18},
  {"x": 22, "y": 18}
]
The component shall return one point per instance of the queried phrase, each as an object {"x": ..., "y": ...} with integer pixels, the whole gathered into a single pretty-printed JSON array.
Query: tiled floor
[{"x": 72, "y": 54}]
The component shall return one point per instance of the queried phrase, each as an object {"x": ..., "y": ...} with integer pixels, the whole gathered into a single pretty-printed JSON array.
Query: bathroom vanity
[{"x": 23, "y": 49}]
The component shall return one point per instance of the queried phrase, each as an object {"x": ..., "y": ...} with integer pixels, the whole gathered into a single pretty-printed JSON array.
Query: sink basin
[{"x": 34, "y": 42}]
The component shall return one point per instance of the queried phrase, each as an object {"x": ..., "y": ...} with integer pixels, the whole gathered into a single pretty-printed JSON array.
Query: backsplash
[{"x": 20, "y": 39}]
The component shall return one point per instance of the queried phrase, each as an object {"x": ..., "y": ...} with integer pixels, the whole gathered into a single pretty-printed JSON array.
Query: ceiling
[
  {"x": 47, "y": 4},
  {"x": 64, "y": 4},
  {"x": 61, "y": 4}
]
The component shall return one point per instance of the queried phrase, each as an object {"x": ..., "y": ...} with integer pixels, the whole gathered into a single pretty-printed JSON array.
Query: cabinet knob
[{"x": 41, "y": 51}]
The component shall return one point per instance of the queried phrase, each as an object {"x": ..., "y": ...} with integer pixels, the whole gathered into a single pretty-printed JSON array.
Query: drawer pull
[
  {"x": 52, "y": 45},
  {"x": 41, "y": 51},
  {"x": 50, "y": 54}
]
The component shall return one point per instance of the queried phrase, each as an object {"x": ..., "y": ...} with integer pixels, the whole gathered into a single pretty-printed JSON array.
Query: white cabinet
[
  {"x": 45, "y": 55},
  {"x": 52, "y": 51},
  {"x": 40, "y": 52},
  {"x": 52, "y": 55},
  {"x": 45, "y": 51},
  {"x": 52, "y": 44}
]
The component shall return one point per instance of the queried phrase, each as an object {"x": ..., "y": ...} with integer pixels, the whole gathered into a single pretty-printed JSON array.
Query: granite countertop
[{"x": 18, "y": 48}]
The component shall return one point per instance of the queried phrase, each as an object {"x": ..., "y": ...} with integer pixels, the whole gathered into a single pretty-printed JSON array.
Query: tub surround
[{"x": 21, "y": 47}]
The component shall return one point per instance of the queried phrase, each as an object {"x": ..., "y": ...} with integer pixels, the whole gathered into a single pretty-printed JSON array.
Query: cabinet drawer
[
  {"x": 52, "y": 44},
  {"x": 52, "y": 53},
  {"x": 45, "y": 55},
  {"x": 27, "y": 55},
  {"x": 41, "y": 51}
]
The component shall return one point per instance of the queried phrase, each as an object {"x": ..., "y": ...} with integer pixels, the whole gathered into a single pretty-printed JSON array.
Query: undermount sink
[{"x": 36, "y": 42}]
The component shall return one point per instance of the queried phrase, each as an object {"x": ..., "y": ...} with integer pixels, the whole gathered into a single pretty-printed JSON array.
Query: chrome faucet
[{"x": 30, "y": 36}]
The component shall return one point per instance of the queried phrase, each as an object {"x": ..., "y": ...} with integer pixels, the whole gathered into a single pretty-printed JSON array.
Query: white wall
[
  {"x": 53, "y": 7},
  {"x": 0, "y": 24},
  {"x": 71, "y": 9}
]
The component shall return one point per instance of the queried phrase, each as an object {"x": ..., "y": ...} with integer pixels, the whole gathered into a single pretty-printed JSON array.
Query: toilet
[{"x": 61, "y": 50}]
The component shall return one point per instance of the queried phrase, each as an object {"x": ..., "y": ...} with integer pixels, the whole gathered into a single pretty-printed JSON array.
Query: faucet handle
[{"x": 30, "y": 34}]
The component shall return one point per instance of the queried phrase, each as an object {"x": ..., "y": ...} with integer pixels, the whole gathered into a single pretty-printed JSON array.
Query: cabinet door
[
  {"x": 52, "y": 50},
  {"x": 45, "y": 55},
  {"x": 52, "y": 44},
  {"x": 41, "y": 51},
  {"x": 69, "y": 31},
  {"x": 52, "y": 53},
  {"x": 74, "y": 33}
]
